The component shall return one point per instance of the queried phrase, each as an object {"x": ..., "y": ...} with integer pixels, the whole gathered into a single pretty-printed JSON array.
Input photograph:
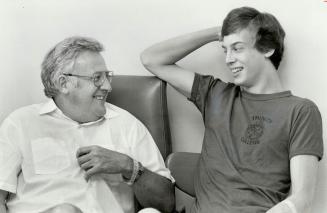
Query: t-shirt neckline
[{"x": 263, "y": 97}]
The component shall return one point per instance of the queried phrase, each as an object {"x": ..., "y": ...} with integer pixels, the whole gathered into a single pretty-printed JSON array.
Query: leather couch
[{"x": 145, "y": 97}]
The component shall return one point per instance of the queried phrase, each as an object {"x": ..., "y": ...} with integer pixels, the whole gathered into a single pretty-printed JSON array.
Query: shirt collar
[
  {"x": 110, "y": 112},
  {"x": 51, "y": 106},
  {"x": 48, "y": 107}
]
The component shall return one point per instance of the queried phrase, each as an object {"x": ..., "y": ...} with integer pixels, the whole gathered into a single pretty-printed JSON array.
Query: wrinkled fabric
[
  {"x": 38, "y": 164},
  {"x": 248, "y": 143}
]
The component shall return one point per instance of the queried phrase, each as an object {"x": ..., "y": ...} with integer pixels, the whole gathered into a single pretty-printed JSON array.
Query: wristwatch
[{"x": 138, "y": 170}]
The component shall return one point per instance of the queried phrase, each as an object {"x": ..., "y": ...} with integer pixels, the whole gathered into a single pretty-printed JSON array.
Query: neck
[
  {"x": 71, "y": 110},
  {"x": 267, "y": 83}
]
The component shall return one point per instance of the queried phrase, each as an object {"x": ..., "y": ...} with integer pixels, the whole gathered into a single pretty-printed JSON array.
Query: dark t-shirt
[{"x": 248, "y": 143}]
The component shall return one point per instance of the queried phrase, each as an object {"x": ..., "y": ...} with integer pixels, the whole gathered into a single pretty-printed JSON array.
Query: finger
[
  {"x": 83, "y": 159},
  {"x": 83, "y": 150},
  {"x": 90, "y": 172},
  {"x": 87, "y": 166}
]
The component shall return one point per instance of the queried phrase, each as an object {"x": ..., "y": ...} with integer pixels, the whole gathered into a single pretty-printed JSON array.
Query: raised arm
[
  {"x": 3, "y": 195},
  {"x": 160, "y": 59},
  {"x": 303, "y": 176}
]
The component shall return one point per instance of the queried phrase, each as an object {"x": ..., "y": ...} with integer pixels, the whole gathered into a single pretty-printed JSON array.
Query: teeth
[
  {"x": 236, "y": 69},
  {"x": 99, "y": 97}
]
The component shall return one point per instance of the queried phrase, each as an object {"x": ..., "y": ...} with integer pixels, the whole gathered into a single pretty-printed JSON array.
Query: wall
[{"x": 30, "y": 28}]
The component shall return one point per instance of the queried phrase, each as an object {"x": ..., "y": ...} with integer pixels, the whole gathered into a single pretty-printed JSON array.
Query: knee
[{"x": 149, "y": 210}]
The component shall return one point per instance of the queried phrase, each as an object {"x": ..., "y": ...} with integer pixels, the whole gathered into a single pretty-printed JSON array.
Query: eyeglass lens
[{"x": 100, "y": 77}]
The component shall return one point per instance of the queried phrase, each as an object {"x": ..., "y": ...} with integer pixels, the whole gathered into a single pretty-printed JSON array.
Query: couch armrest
[{"x": 183, "y": 166}]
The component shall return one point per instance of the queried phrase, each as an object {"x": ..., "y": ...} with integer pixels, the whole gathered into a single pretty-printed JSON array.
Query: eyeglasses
[{"x": 98, "y": 78}]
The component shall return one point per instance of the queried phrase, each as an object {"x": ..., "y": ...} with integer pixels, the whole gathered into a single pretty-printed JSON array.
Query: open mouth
[
  {"x": 100, "y": 97},
  {"x": 236, "y": 70}
]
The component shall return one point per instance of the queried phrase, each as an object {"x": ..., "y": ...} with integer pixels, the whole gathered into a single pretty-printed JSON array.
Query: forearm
[
  {"x": 304, "y": 170},
  {"x": 170, "y": 51},
  {"x": 160, "y": 59},
  {"x": 153, "y": 190},
  {"x": 300, "y": 202}
]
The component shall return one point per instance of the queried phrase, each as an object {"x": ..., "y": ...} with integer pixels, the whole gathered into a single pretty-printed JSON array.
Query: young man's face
[
  {"x": 89, "y": 98},
  {"x": 243, "y": 59}
]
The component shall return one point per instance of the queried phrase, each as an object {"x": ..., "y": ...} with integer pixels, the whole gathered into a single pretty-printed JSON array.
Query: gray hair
[{"x": 61, "y": 57}]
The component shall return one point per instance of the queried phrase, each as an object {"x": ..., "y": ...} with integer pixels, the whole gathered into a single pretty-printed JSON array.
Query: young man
[
  {"x": 77, "y": 153},
  {"x": 262, "y": 144}
]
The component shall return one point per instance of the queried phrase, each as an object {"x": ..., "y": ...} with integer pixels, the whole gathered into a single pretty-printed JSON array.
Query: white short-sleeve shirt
[{"x": 38, "y": 164}]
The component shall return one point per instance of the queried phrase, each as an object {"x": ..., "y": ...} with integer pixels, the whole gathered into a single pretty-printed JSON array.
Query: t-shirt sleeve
[
  {"x": 145, "y": 150},
  {"x": 204, "y": 86},
  {"x": 306, "y": 133},
  {"x": 200, "y": 90},
  {"x": 10, "y": 156}
]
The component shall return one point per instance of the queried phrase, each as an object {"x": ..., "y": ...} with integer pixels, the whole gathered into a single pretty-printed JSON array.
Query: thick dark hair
[{"x": 270, "y": 34}]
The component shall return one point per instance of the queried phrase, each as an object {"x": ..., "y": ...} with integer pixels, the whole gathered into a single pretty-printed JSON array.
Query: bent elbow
[
  {"x": 151, "y": 59},
  {"x": 146, "y": 59},
  {"x": 150, "y": 63}
]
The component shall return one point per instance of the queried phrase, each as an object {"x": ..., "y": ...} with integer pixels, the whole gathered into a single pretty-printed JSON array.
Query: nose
[
  {"x": 106, "y": 85},
  {"x": 229, "y": 58}
]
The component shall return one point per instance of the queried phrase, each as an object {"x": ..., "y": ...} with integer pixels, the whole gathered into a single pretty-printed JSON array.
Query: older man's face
[{"x": 89, "y": 99}]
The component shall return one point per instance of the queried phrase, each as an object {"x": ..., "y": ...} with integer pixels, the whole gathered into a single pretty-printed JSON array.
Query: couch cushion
[{"x": 145, "y": 97}]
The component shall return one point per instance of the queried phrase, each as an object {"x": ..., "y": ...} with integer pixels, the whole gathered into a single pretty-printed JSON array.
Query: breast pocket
[{"x": 49, "y": 156}]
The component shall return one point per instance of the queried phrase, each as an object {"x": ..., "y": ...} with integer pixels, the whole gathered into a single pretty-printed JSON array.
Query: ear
[
  {"x": 269, "y": 53},
  {"x": 63, "y": 84}
]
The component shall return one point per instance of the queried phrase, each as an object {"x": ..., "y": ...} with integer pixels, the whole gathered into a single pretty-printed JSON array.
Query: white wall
[{"x": 29, "y": 28}]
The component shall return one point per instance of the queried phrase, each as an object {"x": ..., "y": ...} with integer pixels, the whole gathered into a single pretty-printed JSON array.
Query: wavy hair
[
  {"x": 269, "y": 33},
  {"x": 61, "y": 57}
]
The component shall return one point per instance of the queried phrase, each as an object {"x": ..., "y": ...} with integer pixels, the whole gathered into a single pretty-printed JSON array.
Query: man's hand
[
  {"x": 151, "y": 189},
  {"x": 96, "y": 159}
]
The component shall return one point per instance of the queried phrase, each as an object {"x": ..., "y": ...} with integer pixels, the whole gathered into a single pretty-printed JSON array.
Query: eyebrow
[{"x": 233, "y": 44}]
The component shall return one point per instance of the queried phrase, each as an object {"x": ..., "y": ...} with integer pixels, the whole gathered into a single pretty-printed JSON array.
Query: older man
[
  {"x": 262, "y": 144},
  {"x": 77, "y": 153}
]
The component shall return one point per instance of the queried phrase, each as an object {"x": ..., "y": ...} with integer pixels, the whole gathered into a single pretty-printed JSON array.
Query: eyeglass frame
[{"x": 109, "y": 74}]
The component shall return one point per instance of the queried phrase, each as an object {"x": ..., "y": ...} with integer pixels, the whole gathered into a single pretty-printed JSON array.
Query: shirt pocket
[{"x": 49, "y": 156}]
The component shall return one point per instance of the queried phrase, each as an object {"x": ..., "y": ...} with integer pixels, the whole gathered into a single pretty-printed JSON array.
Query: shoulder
[
  {"x": 208, "y": 79},
  {"x": 124, "y": 122},
  {"x": 120, "y": 115},
  {"x": 24, "y": 113},
  {"x": 302, "y": 104},
  {"x": 208, "y": 83},
  {"x": 303, "y": 110}
]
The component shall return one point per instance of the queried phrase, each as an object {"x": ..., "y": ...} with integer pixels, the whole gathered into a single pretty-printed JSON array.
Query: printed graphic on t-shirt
[{"x": 255, "y": 129}]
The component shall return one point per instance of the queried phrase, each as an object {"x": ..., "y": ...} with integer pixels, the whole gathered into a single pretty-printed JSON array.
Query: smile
[
  {"x": 236, "y": 70},
  {"x": 100, "y": 97}
]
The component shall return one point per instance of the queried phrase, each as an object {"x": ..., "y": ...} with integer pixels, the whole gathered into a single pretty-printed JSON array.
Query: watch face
[{"x": 141, "y": 170}]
